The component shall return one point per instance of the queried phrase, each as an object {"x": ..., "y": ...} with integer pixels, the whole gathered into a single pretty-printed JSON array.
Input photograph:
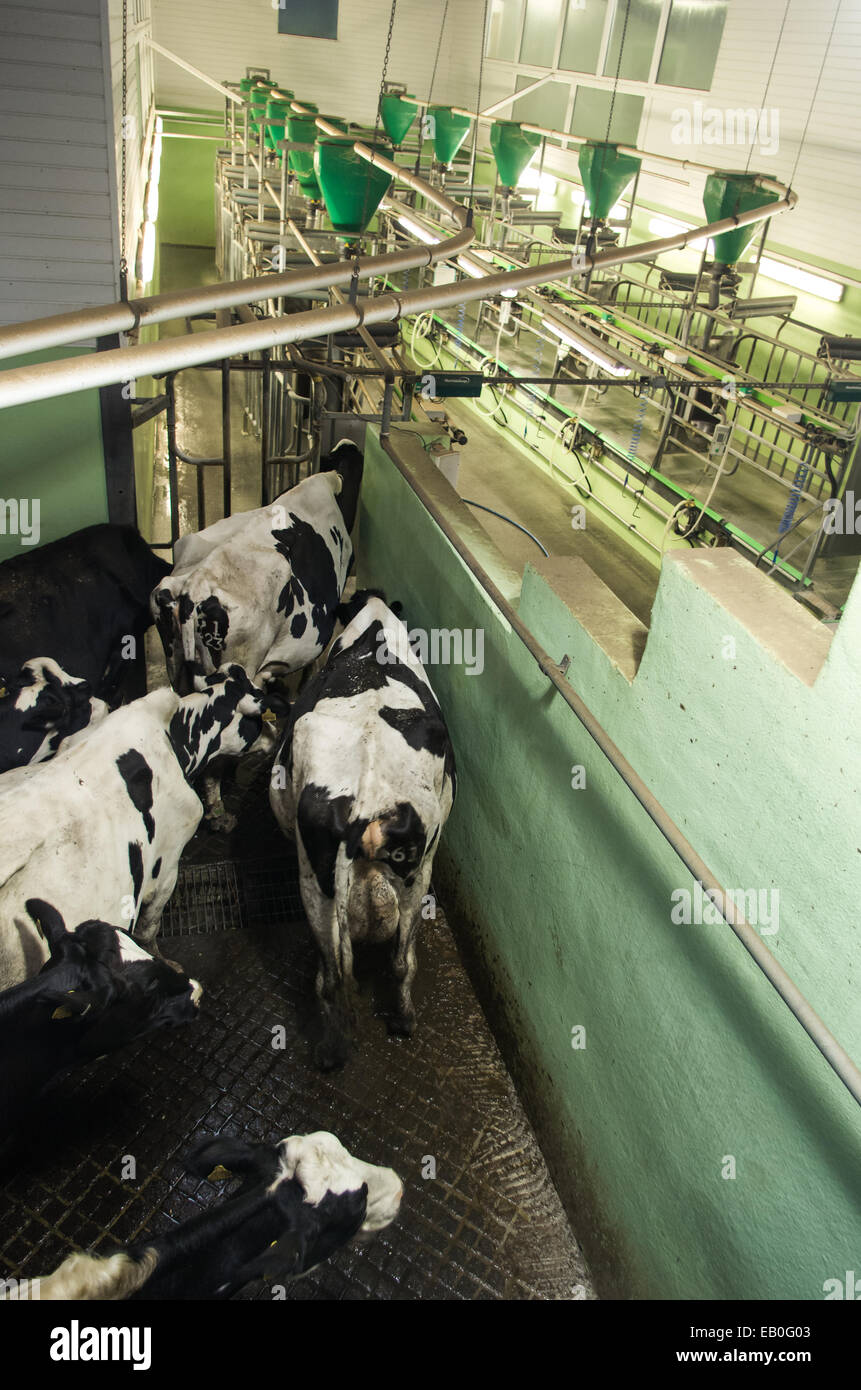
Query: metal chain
[
  {"x": 124, "y": 269},
  {"x": 380, "y": 98},
  {"x": 386, "y": 60},
  {"x": 438, "y": 48},
  {"x": 612, "y": 105},
  {"x": 477, "y": 107}
]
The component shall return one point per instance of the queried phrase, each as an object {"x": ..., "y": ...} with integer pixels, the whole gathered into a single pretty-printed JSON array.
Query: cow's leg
[
  {"x": 148, "y": 924},
  {"x": 213, "y": 785},
  {"x": 334, "y": 970},
  {"x": 404, "y": 961}
]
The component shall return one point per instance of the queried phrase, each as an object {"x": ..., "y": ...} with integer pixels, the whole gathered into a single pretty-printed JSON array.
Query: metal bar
[
  {"x": 195, "y": 72},
  {"x": 172, "y": 475},
  {"x": 533, "y": 86},
  {"x": 836, "y": 1056},
  {"x": 145, "y": 410},
  {"x": 226, "y": 475},
  {"x": 43, "y": 380}
]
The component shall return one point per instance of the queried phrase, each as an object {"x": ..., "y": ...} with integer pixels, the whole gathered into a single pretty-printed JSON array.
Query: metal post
[
  {"x": 172, "y": 475},
  {"x": 225, "y": 437}
]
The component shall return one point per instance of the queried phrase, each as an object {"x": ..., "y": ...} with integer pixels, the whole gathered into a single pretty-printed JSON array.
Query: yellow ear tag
[
  {"x": 269, "y": 716},
  {"x": 62, "y": 1012},
  {"x": 218, "y": 1174},
  {"x": 2, "y": 691}
]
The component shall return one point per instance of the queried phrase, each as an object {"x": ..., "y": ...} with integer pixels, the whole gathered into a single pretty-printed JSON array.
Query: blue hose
[{"x": 794, "y": 497}]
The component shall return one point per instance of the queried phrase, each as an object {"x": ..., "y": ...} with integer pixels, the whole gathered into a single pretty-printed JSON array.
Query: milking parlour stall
[{"x": 428, "y": 668}]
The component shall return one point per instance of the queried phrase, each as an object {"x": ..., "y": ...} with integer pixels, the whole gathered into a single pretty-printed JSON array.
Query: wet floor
[{"x": 480, "y": 1219}]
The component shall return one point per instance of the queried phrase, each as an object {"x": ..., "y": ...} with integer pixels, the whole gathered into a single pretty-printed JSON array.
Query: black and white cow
[
  {"x": 78, "y": 601},
  {"x": 40, "y": 705},
  {"x": 262, "y": 587},
  {"x": 99, "y": 830},
  {"x": 98, "y": 991},
  {"x": 365, "y": 778},
  {"x": 299, "y": 1202}
]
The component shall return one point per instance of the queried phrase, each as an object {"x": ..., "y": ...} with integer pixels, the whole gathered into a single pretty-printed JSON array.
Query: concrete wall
[{"x": 563, "y": 898}]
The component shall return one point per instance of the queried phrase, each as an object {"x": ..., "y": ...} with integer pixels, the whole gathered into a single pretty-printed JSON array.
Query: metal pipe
[
  {"x": 102, "y": 320},
  {"x": 836, "y": 1056},
  {"x": 195, "y": 72},
  {"x": 40, "y": 381},
  {"x": 59, "y": 329}
]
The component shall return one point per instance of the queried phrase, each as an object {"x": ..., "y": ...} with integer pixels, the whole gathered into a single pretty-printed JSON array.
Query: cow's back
[
  {"x": 75, "y": 598},
  {"x": 93, "y": 830}
]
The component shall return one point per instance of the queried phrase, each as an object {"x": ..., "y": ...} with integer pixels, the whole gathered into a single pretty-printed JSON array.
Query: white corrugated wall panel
[
  {"x": 56, "y": 228},
  {"x": 223, "y": 38}
]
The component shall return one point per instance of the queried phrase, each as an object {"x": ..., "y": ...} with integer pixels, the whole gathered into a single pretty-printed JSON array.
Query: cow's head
[
  {"x": 326, "y": 1195},
  {"x": 40, "y": 705},
  {"x": 348, "y": 462},
  {"x": 99, "y": 989},
  {"x": 227, "y": 715}
]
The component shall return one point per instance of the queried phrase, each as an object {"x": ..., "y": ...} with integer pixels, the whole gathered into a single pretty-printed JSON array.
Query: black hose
[{"x": 510, "y": 521}]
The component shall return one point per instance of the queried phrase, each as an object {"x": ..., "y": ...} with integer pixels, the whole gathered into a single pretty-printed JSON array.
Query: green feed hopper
[
  {"x": 258, "y": 97},
  {"x": 397, "y": 114},
  {"x": 277, "y": 109},
  {"x": 449, "y": 132},
  {"x": 352, "y": 187},
  {"x": 726, "y": 194},
  {"x": 512, "y": 148},
  {"x": 301, "y": 162},
  {"x": 606, "y": 173}
]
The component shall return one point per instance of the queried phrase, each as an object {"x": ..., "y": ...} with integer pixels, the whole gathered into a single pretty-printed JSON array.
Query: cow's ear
[
  {"x": 279, "y": 705},
  {"x": 78, "y": 1003},
  {"x": 48, "y": 922},
  {"x": 232, "y": 1156},
  {"x": 284, "y": 1256}
]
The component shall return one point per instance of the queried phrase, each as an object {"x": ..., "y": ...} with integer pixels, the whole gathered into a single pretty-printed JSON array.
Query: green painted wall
[
  {"x": 186, "y": 195},
  {"x": 563, "y": 899},
  {"x": 52, "y": 450}
]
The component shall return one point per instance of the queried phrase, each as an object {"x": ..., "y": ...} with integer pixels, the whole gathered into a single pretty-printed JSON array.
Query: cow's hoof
[
  {"x": 403, "y": 1025},
  {"x": 331, "y": 1055}
]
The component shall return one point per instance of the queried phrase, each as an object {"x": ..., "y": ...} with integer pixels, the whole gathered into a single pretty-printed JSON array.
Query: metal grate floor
[{"x": 107, "y": 1167}]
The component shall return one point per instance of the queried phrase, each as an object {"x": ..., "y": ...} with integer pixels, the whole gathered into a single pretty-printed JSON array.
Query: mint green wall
[
  {"x": 52, "y": 450},
  {"x": 563, "y": 899},
  {"x": 186, "y": 193}
]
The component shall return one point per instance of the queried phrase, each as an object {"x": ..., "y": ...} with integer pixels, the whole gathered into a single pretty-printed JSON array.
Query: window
[
  {"x": 503, "y": 30},
  {"x": 644, "y": 18},
  {"x": 584, "y": 30},
  {"x": 692, "y": 43},
  {"x": 309, "y": 19},
  {"x": 547, "y": 106},
  {"x": 539, "y": 32},
  {"x": 592, "y": 111}
]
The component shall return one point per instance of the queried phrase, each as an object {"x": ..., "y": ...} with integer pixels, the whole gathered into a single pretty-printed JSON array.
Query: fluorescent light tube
[
  {"x": 587, "y": 346},
  {"x": 805, "y": 280},
  {"x": 471, "y": 268},
  {"x": 668, "y": 226},
  {"x": 542, "y": 183},
  {"x": 417, "y": 230}
]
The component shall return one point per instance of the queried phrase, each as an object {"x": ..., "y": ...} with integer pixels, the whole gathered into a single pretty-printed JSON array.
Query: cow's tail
[{"x": 369, "y": 908}]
